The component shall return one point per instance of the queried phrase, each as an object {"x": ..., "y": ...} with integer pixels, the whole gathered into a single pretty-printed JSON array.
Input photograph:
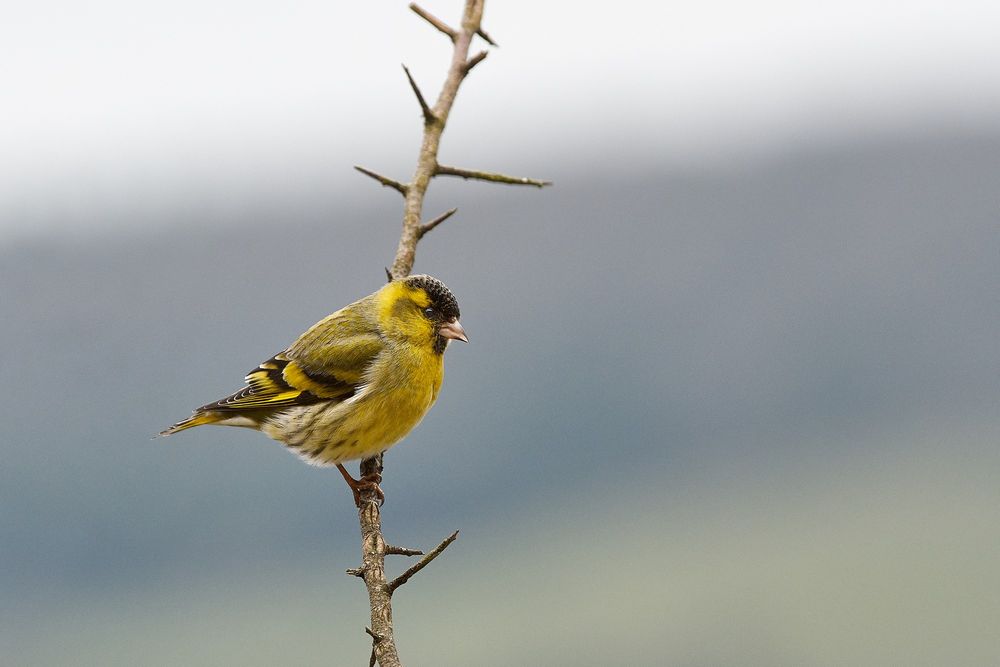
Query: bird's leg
[{"x": 368, "y": 482}]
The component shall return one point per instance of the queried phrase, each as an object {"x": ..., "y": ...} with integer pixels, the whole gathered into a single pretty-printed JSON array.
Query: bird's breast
[
  {"x": 400, "y": 393},
  {"x": 400, "y": 388}
]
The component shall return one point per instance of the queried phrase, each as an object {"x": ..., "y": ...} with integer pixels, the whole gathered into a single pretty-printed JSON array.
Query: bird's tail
[{"x": 197, "y": 419}]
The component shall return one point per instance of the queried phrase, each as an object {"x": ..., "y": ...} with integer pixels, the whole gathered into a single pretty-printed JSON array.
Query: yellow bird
[{"x": 355, "y": 383}]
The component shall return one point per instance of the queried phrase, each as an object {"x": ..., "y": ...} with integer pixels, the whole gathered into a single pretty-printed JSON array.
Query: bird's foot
[{"x": 369, "y": 482}]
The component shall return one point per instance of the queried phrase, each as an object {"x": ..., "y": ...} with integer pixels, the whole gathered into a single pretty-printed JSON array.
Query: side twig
[
  {"x": 435, "y": 222},
  {"x": 444, "y": 170},
  {"x": 434, "y": 21},
  {"x": 424, "y": 562},
  {"x": 475, "y": 60},
  {"x": 384, "y": 180},
  {"x": 401, "y": 551},
  {"x": 486, "y": 38},
  {"x": 429, "y": 116}
]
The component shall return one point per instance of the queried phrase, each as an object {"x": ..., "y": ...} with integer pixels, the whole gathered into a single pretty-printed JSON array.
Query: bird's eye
[{"x": 429, "y": 311}]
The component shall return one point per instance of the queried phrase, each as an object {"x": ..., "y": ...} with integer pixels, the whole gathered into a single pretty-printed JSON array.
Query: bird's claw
[{"x": 367, "y": 483}]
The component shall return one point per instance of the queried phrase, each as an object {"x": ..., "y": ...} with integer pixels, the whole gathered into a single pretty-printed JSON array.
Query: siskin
[{"x": 355, "y": 383}]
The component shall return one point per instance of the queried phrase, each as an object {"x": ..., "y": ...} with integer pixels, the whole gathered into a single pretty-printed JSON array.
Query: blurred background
[{"x": 731, "y": 396}]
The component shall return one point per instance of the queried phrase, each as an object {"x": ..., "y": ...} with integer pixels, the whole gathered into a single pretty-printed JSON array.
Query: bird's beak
[{"x": 453, "y": 329}]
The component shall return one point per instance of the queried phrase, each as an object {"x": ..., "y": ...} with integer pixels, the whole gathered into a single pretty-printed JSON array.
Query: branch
[
  {"x": 475, "y": 60},
  {"x": 429, "y": 116},
  {"x": 435, "y": 222},
  {"x": 402, "y": 551},
  {"x": 435, "y": 21},
  {"x": 372, "y": 570},
  {"x": 373, "y": 546},
  {"x": 427, "y": 160},
  {"x": 384, "y": 180},
  {"x": 444, "y": 170},
  {"x": 444, "y": 27},
  {"x": 486, "y": 38},
  {"x": 424, "y": 562}
]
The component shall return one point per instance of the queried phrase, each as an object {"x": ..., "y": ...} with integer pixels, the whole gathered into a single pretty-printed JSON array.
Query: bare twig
[
  {"x": 435, "y": 222},
  {"x": 435, "y": 21},
  {"x": 475, "y": 60},
  {"x": 444, "y": 27},
  {"x": 429, "y": 116},
  {"x": 427, "y": 160},
  {"x": 486, "y": 38},
  {"x": 384, "y": 180},
  {"x": 424, "y": 562},
  {"x": 402, "y": 551},
  {"x": 444, "y": 170},
  {"x": 373, "y": 551}
]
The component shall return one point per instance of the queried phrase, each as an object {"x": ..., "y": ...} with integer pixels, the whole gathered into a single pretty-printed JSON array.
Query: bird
[{"x": 354, "y": 384}]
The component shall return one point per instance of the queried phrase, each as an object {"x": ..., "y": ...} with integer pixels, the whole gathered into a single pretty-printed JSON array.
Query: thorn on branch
[
  {"x": 436, "y": 22},
  {"x": 429, "y": 116},
  {"x": 423, "y": 229},
  {"x": 474, "y": 60},
  {"x": 384, "y": 180},
  {"x": 402, "y": 551},
  {"x": 486, "y": 38},
  {"x": 424, "y": 562},
  {"x": 388, "y": 275},
  {"x": 375, "y": 642},
  {"x": 444, "y": 170},
  {"x": 356, "y": 572}
]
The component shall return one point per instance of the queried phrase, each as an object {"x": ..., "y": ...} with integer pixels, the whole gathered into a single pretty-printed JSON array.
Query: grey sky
[{"x": 110, "y": 103}]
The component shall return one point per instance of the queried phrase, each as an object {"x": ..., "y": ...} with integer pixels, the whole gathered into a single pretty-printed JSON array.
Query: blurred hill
[{"x": 742, "y": 414}]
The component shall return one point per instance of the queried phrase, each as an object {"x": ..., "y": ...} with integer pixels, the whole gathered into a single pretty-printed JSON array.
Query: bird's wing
[
  {"x": 278, "y": 383},
  {"x": 328, "y": 362},
  {"x": 341, "y": 346}
]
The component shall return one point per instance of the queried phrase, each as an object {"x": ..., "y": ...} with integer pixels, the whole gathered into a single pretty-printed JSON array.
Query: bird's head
[{"x": 420, "y": 310}]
